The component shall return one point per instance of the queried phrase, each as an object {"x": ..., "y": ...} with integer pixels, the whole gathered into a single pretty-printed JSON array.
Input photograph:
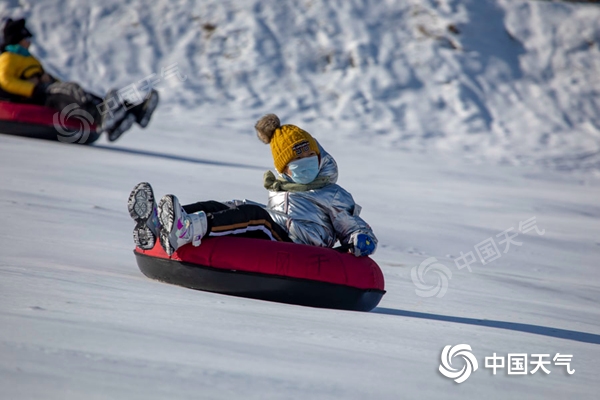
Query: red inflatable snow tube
[
  {"x": 267, "y": 270},
  {"x": 39, "y": 122}
]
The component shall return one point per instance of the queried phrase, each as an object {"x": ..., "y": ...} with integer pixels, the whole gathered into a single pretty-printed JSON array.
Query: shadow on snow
[
  {"x": 513, "y": 326},
  {"x": 174, "y": 157}
]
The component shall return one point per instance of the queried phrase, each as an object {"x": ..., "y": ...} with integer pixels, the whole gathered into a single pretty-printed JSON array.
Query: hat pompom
[{"x": 266, "y": 127}]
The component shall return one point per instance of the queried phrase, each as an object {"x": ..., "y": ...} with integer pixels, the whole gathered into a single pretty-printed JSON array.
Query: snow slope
[
  {"x": 78, "y": 319},
  {"x": 509, "y": 81}
]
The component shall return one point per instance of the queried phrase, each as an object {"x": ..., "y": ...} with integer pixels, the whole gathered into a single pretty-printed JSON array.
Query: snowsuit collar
[
  {"x": 18, "y": 49},
  {"x": 274, "y": 184}
]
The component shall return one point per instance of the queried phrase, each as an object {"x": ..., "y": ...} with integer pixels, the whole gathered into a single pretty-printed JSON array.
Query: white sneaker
[
  {"x": 178, "y": 227},
  {"x": 142, "y": 209}
]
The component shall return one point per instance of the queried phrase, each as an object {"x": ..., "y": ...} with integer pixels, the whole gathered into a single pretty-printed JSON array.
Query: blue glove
[{"x": 363, "y": 245}]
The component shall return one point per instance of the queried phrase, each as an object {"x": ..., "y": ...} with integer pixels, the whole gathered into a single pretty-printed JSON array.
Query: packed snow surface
[{"x": 451, "y": 121}]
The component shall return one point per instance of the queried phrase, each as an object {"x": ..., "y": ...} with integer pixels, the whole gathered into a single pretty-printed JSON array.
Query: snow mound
[{"x": 508, "y": 81}]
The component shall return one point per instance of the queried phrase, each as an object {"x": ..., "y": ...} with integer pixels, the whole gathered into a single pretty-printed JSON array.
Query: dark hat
[{"x": 15, "y": 31}]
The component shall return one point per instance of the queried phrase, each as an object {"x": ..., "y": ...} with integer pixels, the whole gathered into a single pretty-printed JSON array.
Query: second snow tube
[
  {"x": 268, "y": 270},
  {"x": 29, "y": 120}
]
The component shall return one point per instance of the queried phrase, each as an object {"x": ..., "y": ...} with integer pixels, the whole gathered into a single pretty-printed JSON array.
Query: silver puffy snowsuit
[{"x": 319, "y": 217}]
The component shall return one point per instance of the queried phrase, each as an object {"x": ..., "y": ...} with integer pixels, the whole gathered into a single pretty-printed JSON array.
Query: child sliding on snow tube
[
  {"x": 23, "y": 80},
  {"x": 305, "y": 204}
]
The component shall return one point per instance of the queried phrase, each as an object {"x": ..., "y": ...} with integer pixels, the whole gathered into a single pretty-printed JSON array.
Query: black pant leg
[
  {"x": 63, "y": 94},
  {"x": 210, "y": 206},
  {"x": 247, "y": 220}
]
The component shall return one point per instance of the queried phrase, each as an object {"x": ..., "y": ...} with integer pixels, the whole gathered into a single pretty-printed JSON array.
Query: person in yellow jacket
[
  {"x": 23, "y": 80},
  {"x": 20, "y": 72}
]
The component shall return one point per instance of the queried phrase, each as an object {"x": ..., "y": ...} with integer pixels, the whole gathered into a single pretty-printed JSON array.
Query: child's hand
[{"x": 362, "y": 245}]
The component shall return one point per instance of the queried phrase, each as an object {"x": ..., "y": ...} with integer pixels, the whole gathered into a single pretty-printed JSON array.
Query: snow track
[{"x": 78, "y": 319}]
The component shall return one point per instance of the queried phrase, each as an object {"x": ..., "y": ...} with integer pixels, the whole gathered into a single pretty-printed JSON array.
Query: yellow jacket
[{"x": 15, "y": 69}]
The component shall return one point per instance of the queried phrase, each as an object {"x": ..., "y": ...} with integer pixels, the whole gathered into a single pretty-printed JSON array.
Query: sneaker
[
  {"x": 121, "y": 127},
  {"x": 144, "y": 111},
  {"x": 178, "y": 227},
  {"x": 110, "y": 118},
  {"x": 142, "y": 209}
]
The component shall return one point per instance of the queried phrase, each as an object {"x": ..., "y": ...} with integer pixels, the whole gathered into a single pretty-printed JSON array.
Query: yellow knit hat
[{"x": 287, "y": 141}]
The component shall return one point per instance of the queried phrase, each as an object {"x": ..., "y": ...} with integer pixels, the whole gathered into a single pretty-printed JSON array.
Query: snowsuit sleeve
[
  {"x": 14, "y": 72},
  {"x": 344, "y": 214}
]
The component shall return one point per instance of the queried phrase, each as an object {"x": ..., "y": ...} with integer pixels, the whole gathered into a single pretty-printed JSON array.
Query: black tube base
[
  {"x": 259, "y": 286},
  {"x": 38, "y": 131}
]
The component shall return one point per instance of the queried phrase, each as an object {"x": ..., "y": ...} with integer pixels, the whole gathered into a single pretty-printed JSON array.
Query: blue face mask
[{"x": 304, "y": 170}]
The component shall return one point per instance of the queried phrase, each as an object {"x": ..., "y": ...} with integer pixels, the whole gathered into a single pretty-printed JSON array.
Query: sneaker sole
[
  {"x": 149, "y": 109},
  {"x": 141, "y": 202},
  {"x": 140, "y": 205}
]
